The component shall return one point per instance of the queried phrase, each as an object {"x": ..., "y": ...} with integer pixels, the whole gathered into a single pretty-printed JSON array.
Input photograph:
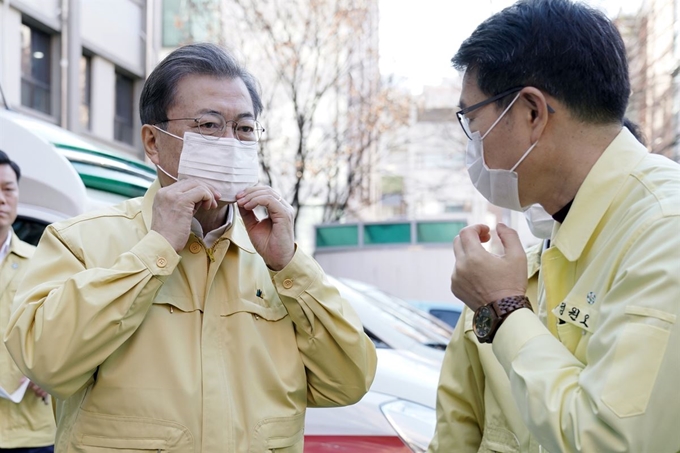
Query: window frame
[{"x": 30, "y": 84}]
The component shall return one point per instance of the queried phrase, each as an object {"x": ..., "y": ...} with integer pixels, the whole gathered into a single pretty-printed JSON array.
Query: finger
[
  {"x": 253, "y": 189},
  {"x": 258, "y": 191},
  {"x": 188, "y": 185},
  {"x": 249, "y": 218},
  {"x": 458, "y": 251},
  {"x": 510, "y": 240},
  {"x": 471, "y": 238},
  {"x": 201, "y": 195},
  {"x": 268, "y": 199}
]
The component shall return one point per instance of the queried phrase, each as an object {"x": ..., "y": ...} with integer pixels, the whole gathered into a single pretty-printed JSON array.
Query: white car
[
  {"x": 398, "y": 413},
  {"x": 63, "y": 175}
]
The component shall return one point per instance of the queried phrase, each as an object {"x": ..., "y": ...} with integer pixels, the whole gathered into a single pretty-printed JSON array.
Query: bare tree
[
  {"x": 325, "y": 106},
  {"x": 650, "y": 41}
]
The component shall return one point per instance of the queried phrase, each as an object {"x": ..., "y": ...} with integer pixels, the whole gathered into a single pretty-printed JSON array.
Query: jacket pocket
[
  {"x": 105, "y": 444},
  {"x": 272, "y": 310},
  {"x": 103, "y": 433},
  {"x": 627, "y": 389},
  {"x": 498, "y": 440},
  {"x": 280, "y": 435}
]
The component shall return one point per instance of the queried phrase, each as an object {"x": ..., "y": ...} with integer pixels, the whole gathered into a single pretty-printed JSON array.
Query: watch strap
[
  {"x": 509, "y": 304},
  {"x": 504, "y": 307}
]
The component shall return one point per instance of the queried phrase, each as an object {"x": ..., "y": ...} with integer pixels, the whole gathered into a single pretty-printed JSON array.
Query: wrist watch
[{"x": 488, "y": 318}]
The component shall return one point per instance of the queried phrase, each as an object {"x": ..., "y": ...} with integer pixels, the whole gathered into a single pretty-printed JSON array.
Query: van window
[{"x": 29, "y": 229}]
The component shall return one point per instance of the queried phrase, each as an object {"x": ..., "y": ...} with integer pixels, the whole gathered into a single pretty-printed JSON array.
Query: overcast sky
[{"x": 418, "y": 39}]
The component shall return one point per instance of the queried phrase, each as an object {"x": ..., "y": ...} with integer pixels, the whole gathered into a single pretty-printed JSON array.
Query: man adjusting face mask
[
  {"x": 226, "y": 164},
  {"x": 499, "y": 187}
]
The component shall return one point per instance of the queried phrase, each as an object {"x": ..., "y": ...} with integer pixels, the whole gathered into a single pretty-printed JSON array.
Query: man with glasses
[
  {"x": 595, "y": 369},
  {"x": 180, "y": 322}
]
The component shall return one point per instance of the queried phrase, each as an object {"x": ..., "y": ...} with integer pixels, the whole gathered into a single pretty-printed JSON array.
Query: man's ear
[
  {"x": 538, "y": 111},
  {"x": 150, "y": 143}
]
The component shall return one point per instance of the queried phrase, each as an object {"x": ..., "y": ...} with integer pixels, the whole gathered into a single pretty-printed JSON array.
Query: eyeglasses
[
  {"x": 465, "y": 122},
  {"x": 213, "y": 125}
]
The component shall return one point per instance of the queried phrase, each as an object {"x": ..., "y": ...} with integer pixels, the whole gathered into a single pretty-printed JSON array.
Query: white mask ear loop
[
  {"x": 524, "y": 156},
  {"x": 168, "y": 133},
  {"x": 171, "y": 135},
  {"x": 501, "y": 116},
  {"x": 166, "y": 173}
]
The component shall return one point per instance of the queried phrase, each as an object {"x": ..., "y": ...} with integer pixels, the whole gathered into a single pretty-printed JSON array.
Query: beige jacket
[
  {"x": 29, "y": 423},
  {"x": 206, "y": 351}
]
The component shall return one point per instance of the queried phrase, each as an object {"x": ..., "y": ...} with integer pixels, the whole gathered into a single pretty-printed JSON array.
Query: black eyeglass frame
[{"x": 461, "y": 113}]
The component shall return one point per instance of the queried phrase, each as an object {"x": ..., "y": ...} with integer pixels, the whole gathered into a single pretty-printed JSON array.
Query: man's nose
[{"x": 229, "y": 131}]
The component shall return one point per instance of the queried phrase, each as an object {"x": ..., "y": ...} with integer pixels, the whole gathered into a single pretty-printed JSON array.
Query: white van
[{"x": 63, "y": 175}]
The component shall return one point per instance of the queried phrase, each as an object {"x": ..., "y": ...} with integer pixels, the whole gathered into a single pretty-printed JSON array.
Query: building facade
[
  {"x": 652, "y": 38},
  {"x": 79, "y": 64}
]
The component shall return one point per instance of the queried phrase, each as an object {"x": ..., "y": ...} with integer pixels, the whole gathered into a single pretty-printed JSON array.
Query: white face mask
[
  {"x": 499, "y": 187},
  {"x": 540, "y": 222},
  {"x": 224, "y": 163}
]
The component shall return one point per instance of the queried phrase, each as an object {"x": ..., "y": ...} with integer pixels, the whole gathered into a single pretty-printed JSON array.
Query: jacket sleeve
[
  {"x": 69, "y": 318},
  {"x": 626, "y": 397},
  {"x": 339, "y": 358},
  {"x": 460, "y": 396}
]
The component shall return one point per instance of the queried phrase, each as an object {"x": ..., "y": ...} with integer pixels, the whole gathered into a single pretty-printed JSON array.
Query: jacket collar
[
  {"x": 236, "y": 233},
  {"x": 20, "y": 248},
  {"x": 597, "y": 193}
]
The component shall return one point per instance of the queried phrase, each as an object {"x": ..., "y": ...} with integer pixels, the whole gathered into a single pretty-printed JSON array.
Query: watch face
[{"x": 483, "y": 322}]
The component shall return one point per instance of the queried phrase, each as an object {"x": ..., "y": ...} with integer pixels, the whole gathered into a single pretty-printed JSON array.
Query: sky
[{"x": 418, "y": 38}]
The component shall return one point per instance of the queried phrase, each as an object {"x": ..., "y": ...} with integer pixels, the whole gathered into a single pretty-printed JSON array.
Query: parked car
[
  {"x": 398, "y": 413},
  {"x": 449, "y": 312},
  {"x": 414, "y": 309}
]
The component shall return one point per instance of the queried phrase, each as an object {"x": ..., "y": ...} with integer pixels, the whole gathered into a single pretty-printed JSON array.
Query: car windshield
[{"x": 409, "y": 321}]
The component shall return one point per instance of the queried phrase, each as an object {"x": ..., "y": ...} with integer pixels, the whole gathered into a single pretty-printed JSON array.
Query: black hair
[
  {"x": 5, "y": 160},
  {"x": 635, "y": 129},
  {"x": 158, "y": 93},
  {"x": 564, "y": 48}
]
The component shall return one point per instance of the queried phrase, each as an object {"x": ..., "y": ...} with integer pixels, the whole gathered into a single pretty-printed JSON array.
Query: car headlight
[{"x": 414, "y": 423}]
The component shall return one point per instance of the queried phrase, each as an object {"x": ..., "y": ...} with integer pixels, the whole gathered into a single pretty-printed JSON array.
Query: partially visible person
[
  {"x": 180, "y": 321},
  {"x": 27, "y": 426},
  {"x": 591, "y": 364},
  {"x": 474, "y": 399}
]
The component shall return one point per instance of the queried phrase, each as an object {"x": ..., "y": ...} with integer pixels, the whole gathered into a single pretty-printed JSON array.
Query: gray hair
[{"x": 159, "y": 89}]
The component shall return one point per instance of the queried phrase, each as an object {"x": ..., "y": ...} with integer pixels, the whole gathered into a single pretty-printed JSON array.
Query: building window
[
  {"x": 123, "y": 121},
  {"x": 85, "y": 91},
  {"x": 36, "y": 82}
]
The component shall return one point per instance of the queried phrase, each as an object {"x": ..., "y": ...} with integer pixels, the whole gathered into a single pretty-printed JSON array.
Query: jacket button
[
  {"x": 161, "y": 262},
  {"x": 288, "y": 283},
  {"x": 195, "y": 247}
]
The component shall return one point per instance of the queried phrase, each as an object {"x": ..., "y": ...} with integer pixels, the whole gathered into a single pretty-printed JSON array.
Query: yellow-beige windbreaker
[
  {"x": 597, "y": 370},
  {"x": 206, "y": 351},
  {"x": 31, "y": 422},
  {"x": 476, "y": 412}
]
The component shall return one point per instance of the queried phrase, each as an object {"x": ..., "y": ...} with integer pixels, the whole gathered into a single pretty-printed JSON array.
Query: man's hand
[
  {"x": 175, "y": 205},
  {"x": 274, "y": 236},
  {"x": 480, "y": 277},
  {"x": 40, "y": 393}
]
